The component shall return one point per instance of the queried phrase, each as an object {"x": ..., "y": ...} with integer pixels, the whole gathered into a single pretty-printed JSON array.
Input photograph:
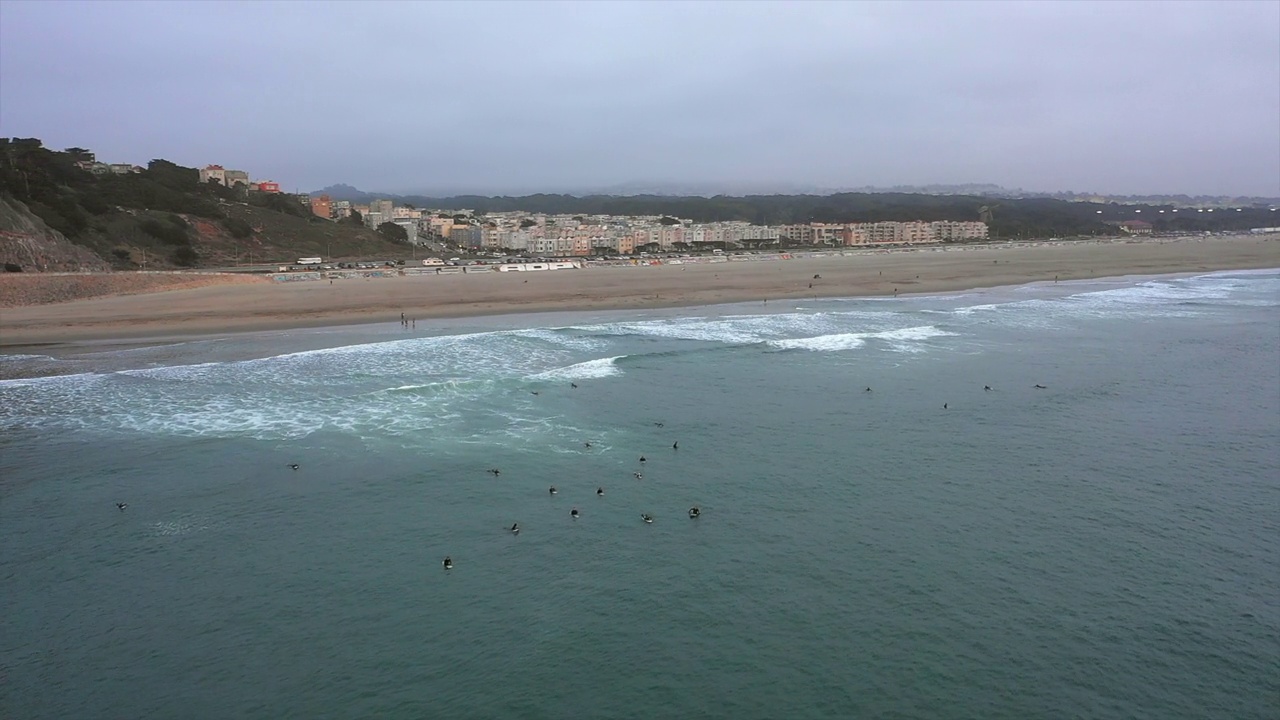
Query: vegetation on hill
[{"x": 163, "y": 216}]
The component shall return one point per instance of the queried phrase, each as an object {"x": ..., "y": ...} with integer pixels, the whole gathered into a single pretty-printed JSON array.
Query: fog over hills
[{"x": 342, "y": 191}]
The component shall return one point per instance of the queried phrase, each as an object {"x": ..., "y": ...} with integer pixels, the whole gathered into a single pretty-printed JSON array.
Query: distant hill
[
  {"x": 160, "y": 217},
  {"x": 709, "y": 190}
]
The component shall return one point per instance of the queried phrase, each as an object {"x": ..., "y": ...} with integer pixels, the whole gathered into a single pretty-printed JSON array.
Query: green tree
[{"x": 393, "y": 232}]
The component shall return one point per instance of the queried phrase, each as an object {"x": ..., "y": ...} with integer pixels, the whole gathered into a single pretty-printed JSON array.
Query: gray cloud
[{"x": 506, "y": 97}]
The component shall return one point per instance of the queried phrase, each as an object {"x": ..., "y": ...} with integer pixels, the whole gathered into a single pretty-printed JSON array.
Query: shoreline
[{"x": 226, "y": 309}]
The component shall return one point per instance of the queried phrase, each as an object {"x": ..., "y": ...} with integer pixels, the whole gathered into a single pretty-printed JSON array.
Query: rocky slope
[{"x": 26, "y": 242}]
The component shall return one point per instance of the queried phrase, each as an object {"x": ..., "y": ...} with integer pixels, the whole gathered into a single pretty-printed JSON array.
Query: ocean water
[{"x": 1107, "y": 546}]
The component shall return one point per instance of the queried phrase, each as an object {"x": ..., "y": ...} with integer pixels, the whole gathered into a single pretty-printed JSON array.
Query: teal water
[{"x": 1105, "y": 547}]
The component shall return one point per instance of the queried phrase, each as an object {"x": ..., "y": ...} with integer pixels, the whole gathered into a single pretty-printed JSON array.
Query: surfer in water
[
  {"x": 573, "y": 385},
  {"x": 574, "y": 513},
  {"x": 448, "y": 562},
  {"x": 642, "y": 458},
  {"x": 646, "y": 517},
  {"x": 553, "y": 490},
  {"x": 1041, "y": 387},
  {"x": 293, "y": 466},
  {"x": 694, "y": 512},
  {"x": 637, "y": 475},
  {"x": 675, "y": 445},
  {"x": 515, "y": 528},
  {"x": 122, "y": 506},
  {"x": 496, "y": 472},
  {"x": 599, "y": 492},
  {"x": 986, "y": 387}
]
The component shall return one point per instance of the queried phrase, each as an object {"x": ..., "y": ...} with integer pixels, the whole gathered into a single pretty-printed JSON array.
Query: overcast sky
[{"x": 1118, "y": 97}]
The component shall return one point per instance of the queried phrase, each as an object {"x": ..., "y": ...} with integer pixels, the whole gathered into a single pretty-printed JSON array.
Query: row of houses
[
  {"x": 233, "y": 178},
  {"x": 544, "y": 234},
  {"x": 883, "y": 233}
]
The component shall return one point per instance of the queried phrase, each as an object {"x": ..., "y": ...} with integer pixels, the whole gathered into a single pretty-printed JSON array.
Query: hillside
[
  {"x": 26, "y": 242},
  {"x": 56, "y": 216}
]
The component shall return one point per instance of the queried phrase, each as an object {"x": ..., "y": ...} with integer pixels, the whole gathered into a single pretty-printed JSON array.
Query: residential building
[
  {"x": 322, "y": 207},
  {"x": 231, "y": 178},
  {"x": 796, "y": 234},
  {"x": 268, "y": 186},
  {"x": 1136, "y": 227},
  {"x": 410, "y": 226},
  {"x": 950, "y": 231},
  {"x": 382, "y": 206},
  {"x": 470, "y": 236},
  {"x": 213, "y": 172}
]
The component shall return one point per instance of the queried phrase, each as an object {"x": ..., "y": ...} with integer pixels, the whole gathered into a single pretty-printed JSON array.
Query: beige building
[
  {"x": 236, "y": 177},
  {"x": 213, "y": 172},
  {"x": 950, "y": 231}
]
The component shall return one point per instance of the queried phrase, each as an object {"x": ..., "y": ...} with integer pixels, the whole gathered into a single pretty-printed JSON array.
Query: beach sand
[{"x": 254, "y": 306}]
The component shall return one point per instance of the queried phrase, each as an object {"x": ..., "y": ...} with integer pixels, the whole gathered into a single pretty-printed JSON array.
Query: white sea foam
[
  {"x": 838, "y": 341},
  {"x": 557, "y": 336},
  {"x": 171, "y": 372},
  {"x": 589, "y": 370},
  {"x": 731, "y": 330},
  {"x": 73, "y": 378},
  {"x": 904, "y": 340}
]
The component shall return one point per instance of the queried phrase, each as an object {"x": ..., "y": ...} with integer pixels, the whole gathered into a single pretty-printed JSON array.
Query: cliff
[{"x": 26, "y": 242}]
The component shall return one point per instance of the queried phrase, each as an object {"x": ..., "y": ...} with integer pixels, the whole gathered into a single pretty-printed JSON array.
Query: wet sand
[{"x": 258, "y": 306}]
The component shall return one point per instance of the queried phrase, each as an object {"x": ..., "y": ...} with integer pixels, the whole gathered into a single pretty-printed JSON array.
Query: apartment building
[
  {"x": 322, "y": 207},
  {"x": 796, "y": 234},
  {"x": 224, "y": 177},
  {"x": 213, "y": 172},
  {"x": 410, "y": 226},
  {"x": 951, "y": 231}
]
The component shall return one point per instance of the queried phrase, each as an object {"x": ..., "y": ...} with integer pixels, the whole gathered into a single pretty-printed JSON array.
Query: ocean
[{"x": 1096, "y": 535}]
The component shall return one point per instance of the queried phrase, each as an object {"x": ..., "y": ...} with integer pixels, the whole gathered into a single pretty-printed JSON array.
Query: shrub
[
  {"x": 186, "y": 256},
  {"x": 12, "y": 267},
  {"x": 238, "y": 228},
  {"x": 164, "y": 232}
]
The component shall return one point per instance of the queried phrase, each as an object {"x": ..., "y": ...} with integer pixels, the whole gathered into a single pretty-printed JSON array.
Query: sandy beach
[{"x": 237, "y": 305}]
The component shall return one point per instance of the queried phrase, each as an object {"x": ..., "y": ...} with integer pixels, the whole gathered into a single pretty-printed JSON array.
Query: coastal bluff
[{"x": 29, "y": 244}]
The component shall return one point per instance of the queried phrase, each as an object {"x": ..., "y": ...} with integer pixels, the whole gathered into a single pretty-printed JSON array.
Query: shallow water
[{"x": 1105, "y": 547}]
